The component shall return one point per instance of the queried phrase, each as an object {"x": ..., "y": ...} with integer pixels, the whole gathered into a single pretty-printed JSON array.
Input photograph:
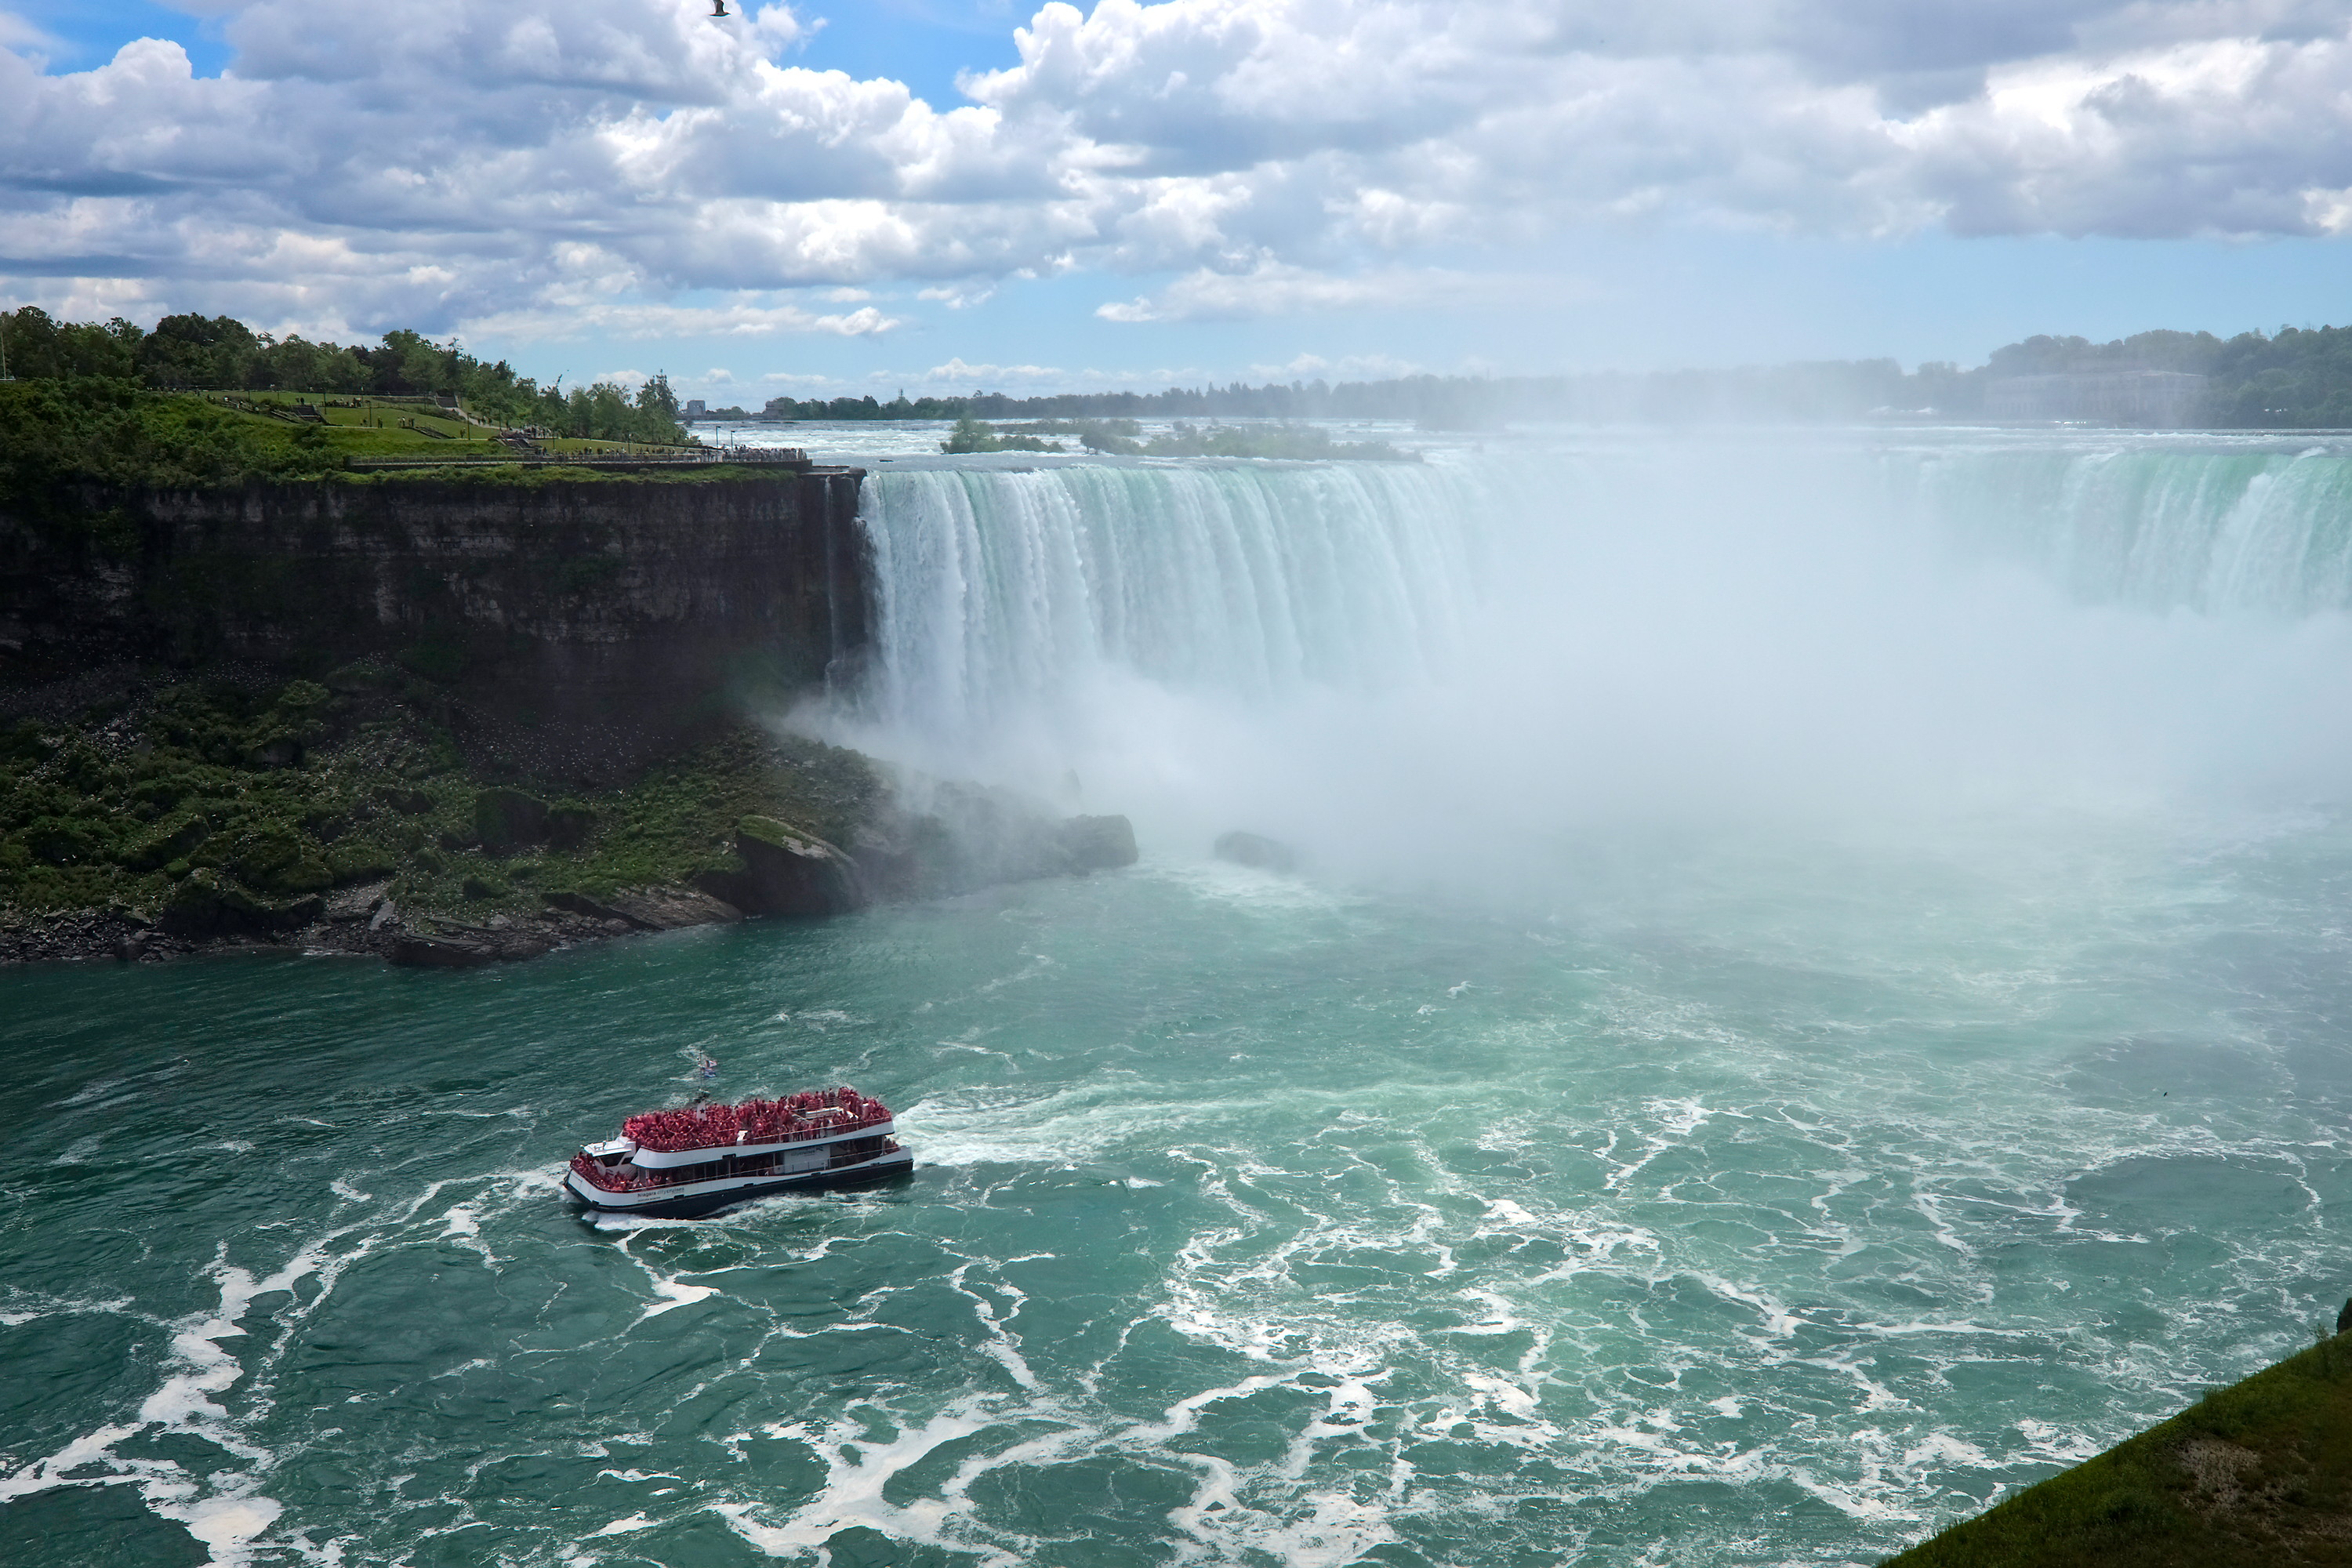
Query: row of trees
[
  {"x": 221, "y": 353},
  {"x": 2299, "y": 378},
  {"x": 1831, "y": 391}
]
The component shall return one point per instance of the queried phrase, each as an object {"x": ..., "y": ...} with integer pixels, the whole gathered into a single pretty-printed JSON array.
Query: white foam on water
[
  {"x": 674, "y": 1296},
  {"x": 27, "y": 1305},
  {"x": 634, "y": 1523},
  {"x": 1337, "y": 1529},
  {"x": 1039, "y": 965},
  {"x": 859, "y": 1466},
  {"x": 228, "y": 1510},
  {"x": 227, "y": 1525},
  {"x": 98, "y": 1088},
  {"x": 91, "y": 1449},
  {"x": 1247, "y": 889},
  {"x": 1059, "y": 1129},
  {"x": 226, "y": 1513}
]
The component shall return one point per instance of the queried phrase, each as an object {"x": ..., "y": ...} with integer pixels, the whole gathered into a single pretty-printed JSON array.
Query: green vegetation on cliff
[
  {"x": 2253, "y": 1475},
  {"x": 58, "y": 436},
  {"x": 203, "y": 796},
  {"x": 220, "y": 354}
]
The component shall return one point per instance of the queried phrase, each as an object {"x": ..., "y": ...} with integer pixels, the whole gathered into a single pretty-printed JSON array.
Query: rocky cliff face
[{"x": 589, "y": 600}]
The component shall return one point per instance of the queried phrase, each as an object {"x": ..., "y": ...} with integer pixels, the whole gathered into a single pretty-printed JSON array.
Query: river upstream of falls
[{"x": 1815, "y": 995}]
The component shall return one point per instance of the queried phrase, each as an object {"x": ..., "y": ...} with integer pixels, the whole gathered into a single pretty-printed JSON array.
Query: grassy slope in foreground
[{"x": 2257, "y": 1473}]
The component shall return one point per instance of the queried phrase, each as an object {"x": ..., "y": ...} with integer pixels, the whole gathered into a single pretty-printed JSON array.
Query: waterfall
[
  {"x": 2157, "y": 524},
  {"x": 996, "y": 588},
  {"x": 1510, "y": 645}
]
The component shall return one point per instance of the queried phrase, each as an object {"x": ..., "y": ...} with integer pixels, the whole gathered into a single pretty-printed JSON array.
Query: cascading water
[
  {"x": 997, "y": 588},
  {"x": 2255, "y": 526},
  {"x": 1544, "y": 637}
]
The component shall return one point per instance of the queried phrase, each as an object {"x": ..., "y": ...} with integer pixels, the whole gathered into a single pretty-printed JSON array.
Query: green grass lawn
[
  {"x": 2253, "y": 1475},
  {"x": 362, "y": 426}
]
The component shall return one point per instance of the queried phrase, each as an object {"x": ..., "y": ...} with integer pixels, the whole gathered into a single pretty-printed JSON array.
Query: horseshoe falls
[
  {"x": 1438, "y": 671},
  {"x": 1814, "y": 995}
]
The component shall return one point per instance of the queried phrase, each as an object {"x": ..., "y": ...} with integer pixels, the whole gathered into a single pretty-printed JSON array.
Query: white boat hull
[{"x": 687, "y": 1200}]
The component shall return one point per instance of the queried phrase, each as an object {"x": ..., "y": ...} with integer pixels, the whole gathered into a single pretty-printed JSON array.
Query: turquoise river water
[{"x": 1816, "y": 996}]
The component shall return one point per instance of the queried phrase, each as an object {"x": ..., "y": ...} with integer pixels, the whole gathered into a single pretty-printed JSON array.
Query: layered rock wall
[{"x": 588, "y": 598}]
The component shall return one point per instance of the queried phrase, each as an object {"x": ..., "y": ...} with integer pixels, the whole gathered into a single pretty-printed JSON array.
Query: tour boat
[{"x": 677, "y": 1165}]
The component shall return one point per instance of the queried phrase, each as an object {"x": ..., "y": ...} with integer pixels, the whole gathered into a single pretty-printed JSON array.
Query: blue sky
[{"x": 908, "y": 193}]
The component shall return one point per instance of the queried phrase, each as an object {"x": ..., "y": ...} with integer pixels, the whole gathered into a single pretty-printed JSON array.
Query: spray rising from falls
[{"x": 1520, "y": 642}]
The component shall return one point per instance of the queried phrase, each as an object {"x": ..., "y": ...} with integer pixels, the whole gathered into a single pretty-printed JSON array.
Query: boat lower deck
[{"x": 692, "y": 1199}]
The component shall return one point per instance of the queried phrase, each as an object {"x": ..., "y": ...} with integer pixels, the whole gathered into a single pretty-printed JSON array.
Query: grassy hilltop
[
  {"x": 58, "y": 436},
  {"x": 221, "y": 355},
  {"x": 2253, "y": 1475}
]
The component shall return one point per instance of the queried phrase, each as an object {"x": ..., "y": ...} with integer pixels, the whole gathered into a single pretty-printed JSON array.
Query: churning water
[{"x": 1817, "y": 996}]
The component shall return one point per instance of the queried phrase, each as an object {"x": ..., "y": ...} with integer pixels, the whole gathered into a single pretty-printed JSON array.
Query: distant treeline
[
  {"x": 220, "y": 354},
  {"x": 2299, "y": 378},
  {"x": 1435, "y": 402}
]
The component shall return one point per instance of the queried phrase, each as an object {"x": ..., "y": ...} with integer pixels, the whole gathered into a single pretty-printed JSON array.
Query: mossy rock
[
  {"x": 358, "y": 862},
  {"x": 786, "y": 872},
  {"x": 174, "y": 839},
  {"x": 569, "y": 825},
  {"x": 508, "y": 819},
  {"x": 64, "y": 840},
  {"x": 481, "y": 885},
  {"x": 308, "y": 873},
  {"x": 304, "y": 697},
  {"x": 208, "y": 904},
  {"x": 259, "y": 854},
  {"x": 275, "y": 749},
  {"x": 407, "y": 801}
]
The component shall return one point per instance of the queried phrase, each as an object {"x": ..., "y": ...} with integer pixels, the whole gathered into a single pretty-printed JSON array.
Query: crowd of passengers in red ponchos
[{"x": 807, "y": 1114}]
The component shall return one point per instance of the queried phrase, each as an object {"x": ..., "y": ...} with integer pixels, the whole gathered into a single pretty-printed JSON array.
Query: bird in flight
[{"x": 718, "y": 8}]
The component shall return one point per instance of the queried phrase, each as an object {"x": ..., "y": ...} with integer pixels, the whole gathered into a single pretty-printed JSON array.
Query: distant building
[
  {"x": 694, "y": 408},
  {"x": 2107, "y": 395}
]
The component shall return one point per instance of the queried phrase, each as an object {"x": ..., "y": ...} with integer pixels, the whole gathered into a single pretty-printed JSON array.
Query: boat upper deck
[{"x": 796, "y": 1118}]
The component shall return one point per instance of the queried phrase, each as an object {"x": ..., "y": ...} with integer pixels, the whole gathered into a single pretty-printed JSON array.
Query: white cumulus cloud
[{"x": 558, "y": 167}]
